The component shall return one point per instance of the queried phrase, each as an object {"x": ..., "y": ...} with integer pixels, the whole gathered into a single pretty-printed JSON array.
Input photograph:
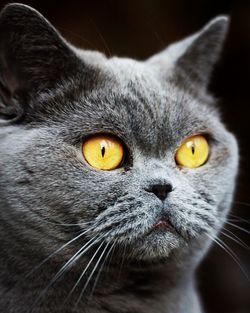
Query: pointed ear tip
[
  {"x": 220, "y": 22},
  {"x": 10, "y": 7},
  {"x": 16, "y": 5}
]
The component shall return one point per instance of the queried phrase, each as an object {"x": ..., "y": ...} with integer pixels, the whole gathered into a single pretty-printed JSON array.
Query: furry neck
[{"x": 164, "y": 288}]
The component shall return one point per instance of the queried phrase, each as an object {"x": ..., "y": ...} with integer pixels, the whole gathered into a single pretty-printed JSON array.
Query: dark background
[{"x": 139, "y": 29}]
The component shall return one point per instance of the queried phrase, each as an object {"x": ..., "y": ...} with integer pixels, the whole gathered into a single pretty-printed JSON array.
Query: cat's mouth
[
  {"x": 157, "y": 241},
  {"x": 163, "y": 224}
]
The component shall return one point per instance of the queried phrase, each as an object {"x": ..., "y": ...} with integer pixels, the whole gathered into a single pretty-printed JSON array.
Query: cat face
[{"x": 149, "y": 203}]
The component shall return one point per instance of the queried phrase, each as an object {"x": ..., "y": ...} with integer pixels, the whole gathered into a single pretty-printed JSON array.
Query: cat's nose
[{"x": 160, "y": 190}]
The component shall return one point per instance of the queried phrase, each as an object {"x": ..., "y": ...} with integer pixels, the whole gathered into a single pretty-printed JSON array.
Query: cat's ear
[
  {"x": 194, "y": 57},
  {"x": 33, "y": 56}
]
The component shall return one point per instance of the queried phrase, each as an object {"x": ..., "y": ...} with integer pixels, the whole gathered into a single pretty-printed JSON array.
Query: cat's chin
[{"x": 158, "y": 244}]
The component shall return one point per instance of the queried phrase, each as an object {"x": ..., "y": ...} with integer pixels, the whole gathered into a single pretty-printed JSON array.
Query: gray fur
[{"x": 51, "y": 101}]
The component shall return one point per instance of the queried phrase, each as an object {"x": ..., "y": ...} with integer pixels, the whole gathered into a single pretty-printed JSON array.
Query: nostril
[{"x": 161, "y": 190}]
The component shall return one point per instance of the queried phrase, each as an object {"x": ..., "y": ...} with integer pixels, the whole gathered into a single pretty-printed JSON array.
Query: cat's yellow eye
[
  {"x": 193, "y": 152},
  {"x": 103, "y": 152}
]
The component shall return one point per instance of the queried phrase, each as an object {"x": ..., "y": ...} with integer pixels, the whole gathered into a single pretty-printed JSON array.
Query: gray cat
[{"x": 115, "y": 174}]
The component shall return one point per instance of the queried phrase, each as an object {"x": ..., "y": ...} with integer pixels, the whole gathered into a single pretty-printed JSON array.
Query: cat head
[{"x": 56, "y": 99}]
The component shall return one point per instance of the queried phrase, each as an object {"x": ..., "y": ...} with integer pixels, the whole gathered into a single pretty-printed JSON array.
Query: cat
[{"x": 80, "y": 237}]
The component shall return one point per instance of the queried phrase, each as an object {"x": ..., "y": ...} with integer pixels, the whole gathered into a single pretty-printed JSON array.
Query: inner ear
[
  {"x": 194, "y": 57},
  {"x": 203, "y": 51},
  {"x": 33, "y": 56}
]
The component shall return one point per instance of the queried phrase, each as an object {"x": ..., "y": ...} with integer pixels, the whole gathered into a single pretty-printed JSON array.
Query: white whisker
[
  {"x": 122, "y": 261},
  {"x": 101, "y": 268},
  {"x": 238, "y": 227},
  {"x": 235, "y": 239},
  {"x": 229, "y": 251},
  {"x": 83, "y": 273},
  {"x": 68, "y": 264},
  {"x": 57, "y": 251},
  {"x": 91, "y": 274}
]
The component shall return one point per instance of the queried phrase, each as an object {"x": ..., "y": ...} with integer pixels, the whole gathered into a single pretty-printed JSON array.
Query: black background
[{"x": 139, "y": 29}]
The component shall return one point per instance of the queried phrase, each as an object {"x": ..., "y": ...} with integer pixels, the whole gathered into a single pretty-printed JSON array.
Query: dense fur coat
[{"x": 76, "y": 239}]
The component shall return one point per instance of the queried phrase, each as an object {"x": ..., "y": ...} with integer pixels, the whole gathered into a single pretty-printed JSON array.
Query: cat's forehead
[
  {"x": 139, "y": 83},
  {"x": 128, "y": 69},
  {"x": 130, "y": 73},
  {"x": 145, "y": 90}
]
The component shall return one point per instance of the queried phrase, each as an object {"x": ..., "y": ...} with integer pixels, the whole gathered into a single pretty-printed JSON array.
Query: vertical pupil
[
  {"x": 193, "y": 148},
  {"x": 103, "y": 151}
]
